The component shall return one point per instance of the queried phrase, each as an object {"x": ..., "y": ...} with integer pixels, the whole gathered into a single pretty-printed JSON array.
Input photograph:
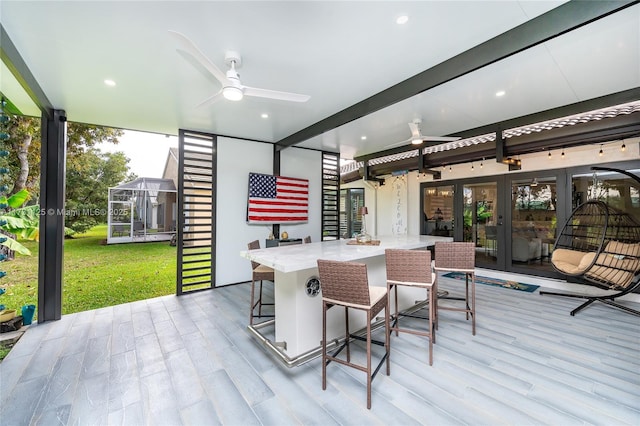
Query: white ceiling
[{"x": 337, "y": 52}]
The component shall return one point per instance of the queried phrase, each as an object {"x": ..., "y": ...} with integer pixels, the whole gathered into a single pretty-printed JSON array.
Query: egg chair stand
[
  {"x": 607, "y": 299},
  {"x": 599, "y": 245}
]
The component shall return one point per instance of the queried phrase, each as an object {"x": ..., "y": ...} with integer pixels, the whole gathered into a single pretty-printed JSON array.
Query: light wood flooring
[{"x": 189, "y": 360}]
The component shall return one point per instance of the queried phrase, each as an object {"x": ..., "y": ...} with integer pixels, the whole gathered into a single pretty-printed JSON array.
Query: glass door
[
  {"x": 481, "y": 220},
  {"x": 437, "y": 211},
  {"x": 616, "y": 189},
  {"x": 351, "y": 200},
  {"x": 534, "y": 201}
]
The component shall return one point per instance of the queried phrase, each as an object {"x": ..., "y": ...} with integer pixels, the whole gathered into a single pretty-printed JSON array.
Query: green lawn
[{"x": 95, "y": 274}]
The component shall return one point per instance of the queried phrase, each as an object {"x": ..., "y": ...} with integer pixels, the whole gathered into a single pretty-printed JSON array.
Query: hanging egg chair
[{"x": 600, "y": 246}]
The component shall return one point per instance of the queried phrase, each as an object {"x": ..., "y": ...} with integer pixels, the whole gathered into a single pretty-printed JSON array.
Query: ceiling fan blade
[
  {"x": 424, "y": 139},
  {"x": 439, "y": 138},
  {"x": 274, "y": 94},
  {"x": 415, "y": 130},
  {"x": 188, "y": 46},
  {"x": 393, "y": 145},
  {"x": 211, "y": 99}
]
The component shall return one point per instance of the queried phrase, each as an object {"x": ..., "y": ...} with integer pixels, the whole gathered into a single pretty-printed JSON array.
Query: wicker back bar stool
[
  {"x": 346, "y": 284},
  {"x": 411, "y": 268},
  {"x": 259, "y": 273},
  {"x": 458, "y": 257}
]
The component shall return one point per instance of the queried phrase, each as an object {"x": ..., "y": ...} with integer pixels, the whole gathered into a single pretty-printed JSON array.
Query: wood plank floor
[{"x": 190, "y": 360}]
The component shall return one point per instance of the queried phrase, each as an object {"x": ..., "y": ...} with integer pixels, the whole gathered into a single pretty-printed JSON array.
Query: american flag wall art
[{"x": 277, "y": 199}]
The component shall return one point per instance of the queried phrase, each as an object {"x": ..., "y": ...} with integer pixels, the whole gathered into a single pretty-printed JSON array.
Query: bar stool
[
  {"x": 457, "y": 257},
  {"x": 411, "y": 268},
  {"x": 259, "y": 273},
  {"x": 346, "y": 284}
]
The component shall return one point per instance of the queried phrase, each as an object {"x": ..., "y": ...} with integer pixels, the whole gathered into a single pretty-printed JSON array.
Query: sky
[{"x": 147, "y": 151}]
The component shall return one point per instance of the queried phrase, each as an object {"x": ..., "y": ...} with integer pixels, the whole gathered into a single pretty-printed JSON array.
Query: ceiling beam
[
  {"x": 564, "y": 18},
  {"x": 538, "y": 117},
  {"x": 12, "y": 59},
  {"x": 593, "y": 132},
  {"x": 605, "y": 101}
]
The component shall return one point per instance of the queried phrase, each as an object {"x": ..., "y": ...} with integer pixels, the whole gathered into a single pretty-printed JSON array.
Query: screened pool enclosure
[{"x": 142, "y": 210}]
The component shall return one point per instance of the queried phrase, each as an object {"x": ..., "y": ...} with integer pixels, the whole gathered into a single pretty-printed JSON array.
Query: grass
[
  {"x": 95, "y": 274},
  {"x": 4, "y": 350}
]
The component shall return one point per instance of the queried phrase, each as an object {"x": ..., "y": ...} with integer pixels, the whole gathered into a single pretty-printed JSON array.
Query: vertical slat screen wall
[
  {"x": 330, "y": 196},
  {"x": 196, "y": 212}
]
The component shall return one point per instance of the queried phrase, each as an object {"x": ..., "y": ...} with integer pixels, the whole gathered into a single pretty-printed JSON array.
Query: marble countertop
[{"x": 304, "y": 256}]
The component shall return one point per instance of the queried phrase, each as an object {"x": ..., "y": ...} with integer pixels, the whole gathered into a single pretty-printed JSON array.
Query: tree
[
  {"x": 24, "y": 146},
  {"x": 88, "y": 183},
  {"x": 89, "y": 172},
  {"x": 23, "y": 161},
  {"x": 21, "y": 221}
]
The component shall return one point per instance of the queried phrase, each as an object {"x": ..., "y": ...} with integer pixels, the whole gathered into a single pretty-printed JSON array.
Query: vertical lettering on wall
[{"x": 399, "y": 203}]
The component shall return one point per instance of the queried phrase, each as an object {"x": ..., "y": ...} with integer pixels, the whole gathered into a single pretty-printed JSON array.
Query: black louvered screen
[
  {"x": 330, "y": 196},
  {"x": 196, "y": 212}
]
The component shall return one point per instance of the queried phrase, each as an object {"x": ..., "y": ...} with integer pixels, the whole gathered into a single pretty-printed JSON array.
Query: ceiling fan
[
  {"x": 232, "y": 89},
  {"x": 417, "y": 138}
]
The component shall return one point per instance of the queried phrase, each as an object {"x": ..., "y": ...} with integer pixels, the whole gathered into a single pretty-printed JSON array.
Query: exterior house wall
[
  {"x": 382, "y": 197},
  {"x": 171, "y": 166},
  {"x": 169, "y": 219}
]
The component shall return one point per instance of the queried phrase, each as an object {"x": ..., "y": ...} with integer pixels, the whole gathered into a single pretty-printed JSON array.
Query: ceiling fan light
[
  {"x": 232, "y": 93},
  {"x": 416, "y": 141}
]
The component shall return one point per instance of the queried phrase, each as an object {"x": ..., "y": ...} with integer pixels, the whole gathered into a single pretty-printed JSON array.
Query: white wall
[
  {"x": 236, "y": 158},
  {"x": 305, "y": 164},
  {"x": 380, "y": 201}
]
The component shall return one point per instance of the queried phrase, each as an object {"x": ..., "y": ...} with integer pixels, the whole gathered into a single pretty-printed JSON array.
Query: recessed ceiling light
[
  {"x": 364, "y": 138},
  {"x": 500, "y": 93},
  {"x": 264, "y": 115},
  {"x": 401, "y": 20},
  {"x": 109, "y": 82}
]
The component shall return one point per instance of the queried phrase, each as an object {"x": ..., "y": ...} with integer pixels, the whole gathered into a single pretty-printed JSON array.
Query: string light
[
  {"x": 623, "y": 148},
  {"x": 549, "y": 154},
  {"x": 562, "y": 155},
  {"x": 450, "y": 169},
  {"x": 471, "y": 166},
  {"x": 481, "y": 163},
  {"x": 601, "y": 153}
]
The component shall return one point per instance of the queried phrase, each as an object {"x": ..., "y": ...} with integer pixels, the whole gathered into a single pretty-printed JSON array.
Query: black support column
[
  {"x": 52, "y": 190},
  {"x": 275, "y": 228}
]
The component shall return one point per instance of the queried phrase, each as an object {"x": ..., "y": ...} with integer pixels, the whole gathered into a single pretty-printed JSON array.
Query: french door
[
  {"x": 511, "y": 220},
  {"x": 482, "y": 222}
]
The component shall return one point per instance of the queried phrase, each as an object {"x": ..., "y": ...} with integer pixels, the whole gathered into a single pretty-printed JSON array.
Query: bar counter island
[{"x": 298, "y": 292}]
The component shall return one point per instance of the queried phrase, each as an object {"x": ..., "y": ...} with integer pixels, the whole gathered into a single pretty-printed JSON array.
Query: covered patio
[{"x": 169, "y": 361}]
